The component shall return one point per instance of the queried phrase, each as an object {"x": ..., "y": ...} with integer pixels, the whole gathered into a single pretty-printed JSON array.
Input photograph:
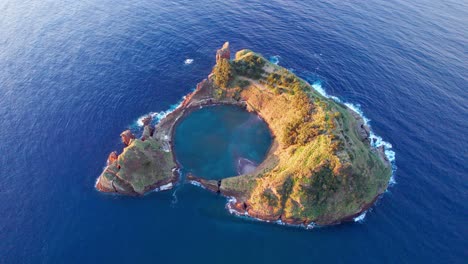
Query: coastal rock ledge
[{"x": 321, "y": 168}]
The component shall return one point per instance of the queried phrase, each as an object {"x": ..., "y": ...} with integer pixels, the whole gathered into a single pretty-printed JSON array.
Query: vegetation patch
[{"x": 321, "y": 170}]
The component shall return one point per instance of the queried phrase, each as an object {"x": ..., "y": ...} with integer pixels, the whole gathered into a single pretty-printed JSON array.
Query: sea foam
[
  {"x": 158, "y": 116},
  {"x": 360, "y": 218},
  {"x": 274, "y": 59},
  {"x": 376, "y": 141},
  {"x": 232, "y": 200}
]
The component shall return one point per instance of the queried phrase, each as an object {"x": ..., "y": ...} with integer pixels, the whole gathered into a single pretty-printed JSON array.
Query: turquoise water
[
  {"x": 75, "y": 74},
  {"x": 211, "y": 141}
]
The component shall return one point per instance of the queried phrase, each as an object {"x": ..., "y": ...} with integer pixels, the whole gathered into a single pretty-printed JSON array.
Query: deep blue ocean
[{"x": 74, "y": 74}]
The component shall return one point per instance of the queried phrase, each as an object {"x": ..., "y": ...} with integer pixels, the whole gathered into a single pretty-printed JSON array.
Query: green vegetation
[
  {"x": 304, "y": 129},
  {"x": 283, "y": 80},
  {"x": 251, "y": 66},
  {"x": 222, "y": 73},
  {"x": 286, "y": 190},
  {"x": 140, "y": 166},
  {"x": 320, "y": 170},
  {"x": 269, "y": 198}
]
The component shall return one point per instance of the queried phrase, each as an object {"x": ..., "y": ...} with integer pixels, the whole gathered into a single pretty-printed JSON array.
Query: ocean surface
[
  {"x": 220, "y": 141},
  {"x": 74, "y": 74}
]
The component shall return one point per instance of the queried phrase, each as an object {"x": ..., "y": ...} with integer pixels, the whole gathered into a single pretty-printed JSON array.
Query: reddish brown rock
[
  {"x": 112, "y": 157},
  {"x": 147, "y": 120},
  {"x": 104, "y": 186},
  {"x": 127, "y": 137},
  {"x": 148, "y": 129},
  {"x": 223, "y": 53},
  {"x": 147, "y": 132},
  {"x": 240, "y": 207},
  {"x": 212, "y": 185}
]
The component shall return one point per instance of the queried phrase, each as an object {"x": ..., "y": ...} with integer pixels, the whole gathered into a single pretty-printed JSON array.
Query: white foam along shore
[
  {"x": 232, "y": 200},
  {"x": 376, "y": 141},
  {"x": 164, "y": 187},
  {"x": 274, "y": 59},
  {"x": 158, "y": 116}
]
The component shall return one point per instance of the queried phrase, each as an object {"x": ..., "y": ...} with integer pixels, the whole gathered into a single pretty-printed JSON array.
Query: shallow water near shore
[
  {"x": 219, "y": 141},
  {"x": 75, "y": 74}
]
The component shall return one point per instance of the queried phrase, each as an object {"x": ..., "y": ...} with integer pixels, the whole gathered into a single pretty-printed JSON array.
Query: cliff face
[
  {"x": 142, "y": 166},
  {"x": 223, "y": 53},
  {"x": 127, "y": 137},
  {"x": 319, "y": 169}
]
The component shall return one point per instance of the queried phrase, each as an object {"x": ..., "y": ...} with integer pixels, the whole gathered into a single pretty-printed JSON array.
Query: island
[{"x": 321, "y": 168}]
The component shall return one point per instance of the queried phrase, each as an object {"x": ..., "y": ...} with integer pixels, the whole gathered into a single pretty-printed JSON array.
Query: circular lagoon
[{"x": 220, "y": 141}]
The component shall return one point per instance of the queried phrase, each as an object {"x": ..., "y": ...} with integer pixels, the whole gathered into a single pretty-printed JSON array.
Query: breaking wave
[
  {"x": 157, "y": 116},
  {"x": 188, "y": 61},
  {"x": 175, "y": 200},
  {"x": 274, "y": 59},
  {"x": 232, "y": 200},
  {"x": 360, "y": 218},
  {"x": 376, "y": 141}
]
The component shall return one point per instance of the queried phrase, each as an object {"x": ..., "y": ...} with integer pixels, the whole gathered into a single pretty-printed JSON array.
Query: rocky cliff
[
  {"x": 142, "y": 166},
  {"x": 223, "y": 53},
  {"x": 320, "y": 169}
]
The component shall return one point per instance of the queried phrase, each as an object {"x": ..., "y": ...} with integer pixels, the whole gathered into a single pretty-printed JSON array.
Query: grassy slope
[
  {"x": 142, "y": 165},
  {"x": 330, "y": 176}
]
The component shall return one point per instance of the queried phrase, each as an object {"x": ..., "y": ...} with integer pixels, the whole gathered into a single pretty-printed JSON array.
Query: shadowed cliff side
[
  {"x": 144, "y": 165},
  {"x": 321, "y": 167}
]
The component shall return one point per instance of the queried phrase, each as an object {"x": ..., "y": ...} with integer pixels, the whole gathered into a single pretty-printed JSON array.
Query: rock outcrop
[
  {"x": 148, "y": 130},
  {"x": 362, "y": 129},
  {"x": 321, "y": 167},
  {"x": 223, "y": 53},
  {"x": 127, "y": 137},
  {"x": 112, "y": 157},
  {"x": 141, "y": 167}
]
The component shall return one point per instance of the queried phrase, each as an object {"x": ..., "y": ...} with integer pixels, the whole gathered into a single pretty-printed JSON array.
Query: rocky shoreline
[
  {"x": 123, "y": 172},
  {"x": 235, "y": 205},
  {"x": 163, "y": 133}
]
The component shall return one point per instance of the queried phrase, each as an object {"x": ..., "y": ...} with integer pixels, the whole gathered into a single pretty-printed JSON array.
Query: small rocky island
[{"x": 320, "y": 168}]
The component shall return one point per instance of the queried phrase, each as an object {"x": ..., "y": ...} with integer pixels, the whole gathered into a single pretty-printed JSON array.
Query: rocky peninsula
[{"x": 321, "y": 167}]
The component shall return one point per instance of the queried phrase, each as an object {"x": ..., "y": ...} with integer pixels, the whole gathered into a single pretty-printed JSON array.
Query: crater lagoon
[{"x": 220, "y": 141}]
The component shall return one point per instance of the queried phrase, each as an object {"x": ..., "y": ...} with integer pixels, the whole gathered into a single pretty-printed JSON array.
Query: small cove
[{"x": 220, "y": 141}]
